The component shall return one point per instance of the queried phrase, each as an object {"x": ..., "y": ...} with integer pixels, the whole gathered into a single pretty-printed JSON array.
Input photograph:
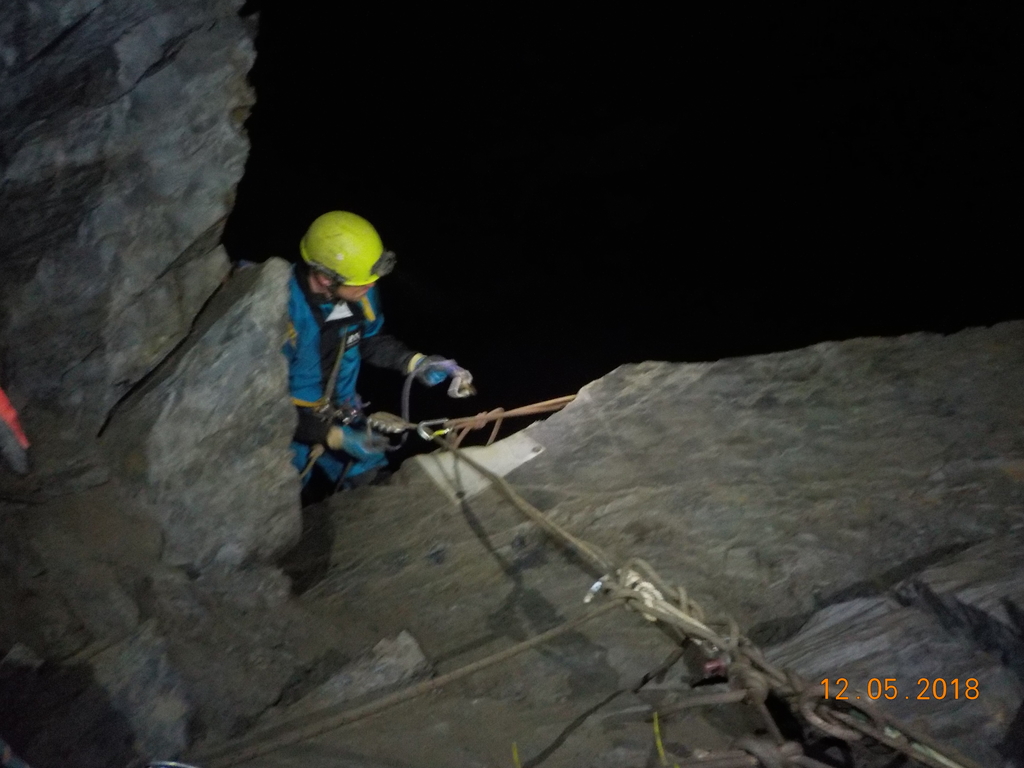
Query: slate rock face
[
  {"x": 777, "y": 484},
  {"x": 229, "y": 636},
  {"x": 877, "y": 638},
  {"x": 120, "y": 146},
  {"x": 145, "y": 688},
  {"x": 862, "y": 500},
  {"x": 59, "y": 715},
  {"x": 390, "y": 664},
  {"x": 205, "y": 444}
]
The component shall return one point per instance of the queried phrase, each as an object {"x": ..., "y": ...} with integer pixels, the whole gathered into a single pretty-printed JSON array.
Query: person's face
[
  {"x": 325, "y": 286},
  {"x": 352, "y": 292}
]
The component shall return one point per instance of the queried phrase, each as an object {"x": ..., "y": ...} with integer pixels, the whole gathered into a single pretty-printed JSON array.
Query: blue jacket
[{"x": 315, "y": 334}]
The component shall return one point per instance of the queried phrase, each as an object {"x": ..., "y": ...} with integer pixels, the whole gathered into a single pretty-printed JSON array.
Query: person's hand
[
  {"x": 361, "y": 445},
  {"x": 433, "y": 369}
]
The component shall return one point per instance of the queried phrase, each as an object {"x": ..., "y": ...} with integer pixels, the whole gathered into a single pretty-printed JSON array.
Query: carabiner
[{"x": 424, "y": 431}]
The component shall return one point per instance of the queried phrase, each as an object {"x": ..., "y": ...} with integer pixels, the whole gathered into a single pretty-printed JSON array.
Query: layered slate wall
[
  {"x": 857, "y": 506},
  {"x": 121, "y": 143}
]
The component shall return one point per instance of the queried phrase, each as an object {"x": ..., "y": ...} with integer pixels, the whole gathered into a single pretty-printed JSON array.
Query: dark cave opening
[{"x": 567, "y": 193}]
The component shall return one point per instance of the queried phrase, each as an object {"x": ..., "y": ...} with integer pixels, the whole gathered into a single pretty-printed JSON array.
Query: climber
[
  {"x": 335, "y": 323},
  {"x": 13, "y": 443}
]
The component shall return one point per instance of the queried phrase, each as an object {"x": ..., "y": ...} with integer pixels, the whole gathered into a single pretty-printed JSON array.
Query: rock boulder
[
  {"x": 121, "y": 143},
  {"x": 205, "y": 444}
]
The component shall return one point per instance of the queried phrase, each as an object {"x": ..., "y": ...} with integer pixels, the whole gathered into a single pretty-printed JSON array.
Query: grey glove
[{"x": 433, "y": 369}]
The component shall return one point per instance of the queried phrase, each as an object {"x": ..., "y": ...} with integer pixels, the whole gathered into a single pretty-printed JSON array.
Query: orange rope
[{"x": 464, "y": 425}]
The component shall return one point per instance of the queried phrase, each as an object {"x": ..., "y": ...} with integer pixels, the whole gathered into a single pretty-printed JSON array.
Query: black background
[{"x": 567, "y": 192}]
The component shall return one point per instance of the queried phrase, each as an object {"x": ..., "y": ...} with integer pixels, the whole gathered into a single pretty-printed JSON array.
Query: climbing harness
[
  {"x": 431, "y": 429},
  {"x": 382, "y": 421},
  {"x": 636, "y": 585},
  {"x": 343, "y": 414}
]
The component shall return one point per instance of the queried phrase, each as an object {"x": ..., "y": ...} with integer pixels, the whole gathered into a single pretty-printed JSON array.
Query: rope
[
  {"x": 639, "y": 587},
  {"x": 285, "y": 734},
  {"x": 314, "y": 455},
  {"x": 463, "y": 425},
  {"x": 589, "y": 553}
]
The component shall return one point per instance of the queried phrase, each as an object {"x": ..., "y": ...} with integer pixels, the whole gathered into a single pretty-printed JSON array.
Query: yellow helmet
[{"x": 346, "y": 247}]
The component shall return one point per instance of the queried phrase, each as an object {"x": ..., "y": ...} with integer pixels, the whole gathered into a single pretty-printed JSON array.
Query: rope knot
[
  {"x": 648, "y": 593},
  {"x": 756, "y": 684}
]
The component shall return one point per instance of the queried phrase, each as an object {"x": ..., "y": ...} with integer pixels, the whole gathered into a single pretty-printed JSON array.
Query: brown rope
[
  {"x": 271, "y": 739},
  {"x": 464, "y": 425},
  {"x": 748, "y": 667},
  {"x": 748, "y": 664}
]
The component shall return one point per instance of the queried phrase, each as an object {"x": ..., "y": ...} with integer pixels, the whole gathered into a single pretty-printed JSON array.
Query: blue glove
[
  {"x": 433, "y": 369},
  {"x": 361, "y": 445}
]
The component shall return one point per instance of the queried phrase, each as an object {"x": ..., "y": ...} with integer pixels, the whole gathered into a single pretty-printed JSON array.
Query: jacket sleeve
[
  {"x": 385, "y": 351},
  {"x": 378, "y": 348}
]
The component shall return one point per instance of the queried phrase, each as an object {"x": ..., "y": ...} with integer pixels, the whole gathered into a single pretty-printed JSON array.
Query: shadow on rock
[
  {"x": 308, "y": 562},
  {"x": 1012, "y": 746},
  {"x": 59, "y": 715}
]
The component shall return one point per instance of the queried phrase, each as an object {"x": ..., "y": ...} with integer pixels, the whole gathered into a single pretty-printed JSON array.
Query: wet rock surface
[{"x": 823, "y": 488}]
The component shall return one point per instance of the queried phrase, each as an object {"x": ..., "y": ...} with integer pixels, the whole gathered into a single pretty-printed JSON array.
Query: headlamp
[{"x": 384, "y": 264}]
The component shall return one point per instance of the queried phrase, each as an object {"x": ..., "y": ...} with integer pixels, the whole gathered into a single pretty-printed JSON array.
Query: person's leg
[
  {"x": 317, "y": 487},
  {"x": 334, "y": 470},
  {"x": 320, "y": 480}
]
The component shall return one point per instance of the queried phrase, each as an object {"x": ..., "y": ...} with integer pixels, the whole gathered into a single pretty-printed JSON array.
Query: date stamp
[{"x": 926, "y": 689}]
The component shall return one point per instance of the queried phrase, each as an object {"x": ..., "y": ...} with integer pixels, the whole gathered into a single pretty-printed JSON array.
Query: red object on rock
[{"x": 10, "y": 417}]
